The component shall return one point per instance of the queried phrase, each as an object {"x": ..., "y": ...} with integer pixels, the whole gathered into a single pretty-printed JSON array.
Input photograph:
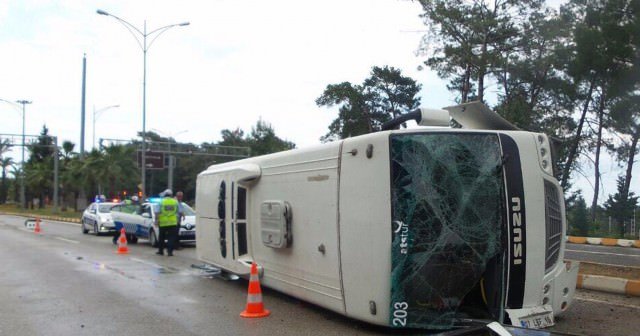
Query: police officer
[{"x": 167, "y": 221}]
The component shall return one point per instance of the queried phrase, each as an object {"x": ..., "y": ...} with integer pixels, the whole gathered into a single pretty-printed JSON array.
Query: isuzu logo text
[{"x": 516, "y": 229}]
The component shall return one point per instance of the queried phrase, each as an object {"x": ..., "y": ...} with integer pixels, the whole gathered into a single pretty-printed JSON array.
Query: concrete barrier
[
  {"x": 609, "y": 284},
  {"x": 625, "y": 242},
  {"x": 577, "y": 240},
  {"x": 603, "y": 241},
  {"x": 594, "y": 241}
]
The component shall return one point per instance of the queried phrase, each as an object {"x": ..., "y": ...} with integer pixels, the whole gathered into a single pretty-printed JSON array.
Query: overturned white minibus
[{"x": 420, "y": 228}]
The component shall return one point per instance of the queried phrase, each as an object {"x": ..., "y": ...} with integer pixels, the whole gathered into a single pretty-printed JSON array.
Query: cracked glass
[{"x": 447, "y": 194}]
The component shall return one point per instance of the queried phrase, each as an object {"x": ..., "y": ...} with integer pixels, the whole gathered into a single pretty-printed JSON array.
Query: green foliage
[
  {"x": 578, "y": 216},
  {"x": 5, "y": 164},
  {"x": 467, "y": 41},
  {"x": 620, "y": 206},
  {"x": 42, "y": 149},
  {"x": 112, "y": 170},
  {"x": 263, "y": 140},
  {"x": 364, "y": 108}
]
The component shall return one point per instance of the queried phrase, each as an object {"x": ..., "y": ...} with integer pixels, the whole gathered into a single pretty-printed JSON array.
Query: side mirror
[
  {"x": 146, "y": 215},
  {"x": 92, "y": 211}
]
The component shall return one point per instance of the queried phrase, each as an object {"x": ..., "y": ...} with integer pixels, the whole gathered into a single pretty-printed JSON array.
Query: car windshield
[
  {"x": 105, "y": 207},
  {"x": 187, "y": 210}
]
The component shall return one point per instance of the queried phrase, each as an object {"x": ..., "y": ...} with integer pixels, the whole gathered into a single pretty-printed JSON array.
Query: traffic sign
[{"x": 153, "y": 160}]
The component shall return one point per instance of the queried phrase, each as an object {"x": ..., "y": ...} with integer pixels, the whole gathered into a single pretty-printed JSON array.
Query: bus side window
[
  {"x": 241, "y": 223},
  {"x": 221, "y": 215}
]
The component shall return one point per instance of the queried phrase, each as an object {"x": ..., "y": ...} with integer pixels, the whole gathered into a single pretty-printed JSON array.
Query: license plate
[
  {"x": 534, "y": 318},
  {"x": 185, "y": 233}
]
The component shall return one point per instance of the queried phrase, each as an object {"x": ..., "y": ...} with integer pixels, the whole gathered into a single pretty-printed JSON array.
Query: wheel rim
[{"x": 95, "y": 228}]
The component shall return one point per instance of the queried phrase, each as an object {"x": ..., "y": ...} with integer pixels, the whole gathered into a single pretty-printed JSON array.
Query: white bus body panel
[{"x": 308, "y": 181}]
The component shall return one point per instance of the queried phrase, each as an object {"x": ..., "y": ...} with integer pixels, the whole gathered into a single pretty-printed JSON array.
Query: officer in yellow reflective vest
[{"x": 167, "y": 222}]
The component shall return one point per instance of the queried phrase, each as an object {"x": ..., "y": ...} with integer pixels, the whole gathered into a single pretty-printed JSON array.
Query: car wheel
[
  {"x": 84, "y": 228},
  {"x": 153, "y": 239},
  {"x": 95, "y": 229}
]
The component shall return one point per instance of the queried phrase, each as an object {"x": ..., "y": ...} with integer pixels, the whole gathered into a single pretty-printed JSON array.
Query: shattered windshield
[{"x": 447, "y": 196}]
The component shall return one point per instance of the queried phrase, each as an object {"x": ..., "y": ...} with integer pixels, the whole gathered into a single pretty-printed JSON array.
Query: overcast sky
[{"x": 236, "y": 62}]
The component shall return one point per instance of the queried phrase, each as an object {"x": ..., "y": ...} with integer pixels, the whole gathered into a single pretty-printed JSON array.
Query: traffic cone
[
  {"x": 122, "y": 243},
  {"x": 254, "y": 308},
  {"x": 37, "y": 228}
]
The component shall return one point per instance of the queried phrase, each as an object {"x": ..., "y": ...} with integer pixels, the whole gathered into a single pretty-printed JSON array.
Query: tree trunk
[
  {"x": 482, "y": 70},
  {"x": 632, "y": 154},
  {"x": 573, "y": 151},
  {"x": 3, "y": 188},
  {"x": 466, "y": 85},
  {"x": 596, "y": 189}
]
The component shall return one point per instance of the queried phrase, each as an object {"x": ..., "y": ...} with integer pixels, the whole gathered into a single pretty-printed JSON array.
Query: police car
[
  {"x": 140, "y": 222},
  {"x": 97, "y": 218}
]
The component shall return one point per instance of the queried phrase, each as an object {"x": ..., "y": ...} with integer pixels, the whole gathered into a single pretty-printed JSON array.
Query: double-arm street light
[
  {"x": 22, "y": 190},
  {"x": 96, "y": 114},
  {"x": 152, "y": 35}
]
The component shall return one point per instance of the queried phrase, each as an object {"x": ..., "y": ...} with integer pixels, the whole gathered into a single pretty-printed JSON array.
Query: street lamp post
[
  {"x": 22, "y": 190},
  {"x": 95, "y": 116},
  {"x": 145, "y": 47}
]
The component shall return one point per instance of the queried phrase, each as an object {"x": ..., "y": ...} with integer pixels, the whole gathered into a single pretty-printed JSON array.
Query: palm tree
[
  {"x": 16, "y": 171},
  {"x": 67, "y": 151},
  {"x": 38, "y": 178},
  {"x": 5, "y": 144},
  {"x": 119, "y": 169},
  {"x": 5, "y": 164}
]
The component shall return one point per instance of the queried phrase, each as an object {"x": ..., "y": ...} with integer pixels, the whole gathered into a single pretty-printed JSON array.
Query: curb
[
  {"x": 604, "y": 241},
  {"x": 609, "y": 284},
  {"x": 55, "y": 218}
]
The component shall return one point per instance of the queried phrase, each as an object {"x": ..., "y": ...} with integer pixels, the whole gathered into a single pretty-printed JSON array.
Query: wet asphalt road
[
  {"x": 62, "y": 282},
  {"x": 613, "y": 255}
]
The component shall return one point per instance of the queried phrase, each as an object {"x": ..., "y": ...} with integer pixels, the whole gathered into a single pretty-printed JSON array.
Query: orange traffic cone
[
  {"x": 122, "y": 243},
  {"x": 37, "y": 228},
  {"x": 255, "y": 308}
]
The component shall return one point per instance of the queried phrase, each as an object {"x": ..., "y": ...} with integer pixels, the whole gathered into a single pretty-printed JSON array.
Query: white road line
[
  {"x": 67, "y": 240},
  {"x": 146, "y": 262},
  {"x": 62, "y": 222},
  {"x": 609, "y": 303},
  {"x": 607, "y": 253}
]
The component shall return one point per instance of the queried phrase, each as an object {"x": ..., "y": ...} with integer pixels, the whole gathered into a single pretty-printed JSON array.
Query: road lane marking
[
  {"x": 146, "y": 262},
  {"x": 67, "y": 240},
  {"x": 609, "y": 303},
  {"x": 607, "y": 253},
  {"x": 62, "y": 222}
]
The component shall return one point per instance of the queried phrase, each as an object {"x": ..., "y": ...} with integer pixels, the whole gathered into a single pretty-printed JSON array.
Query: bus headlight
[{"x": 544, "y": 154}]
